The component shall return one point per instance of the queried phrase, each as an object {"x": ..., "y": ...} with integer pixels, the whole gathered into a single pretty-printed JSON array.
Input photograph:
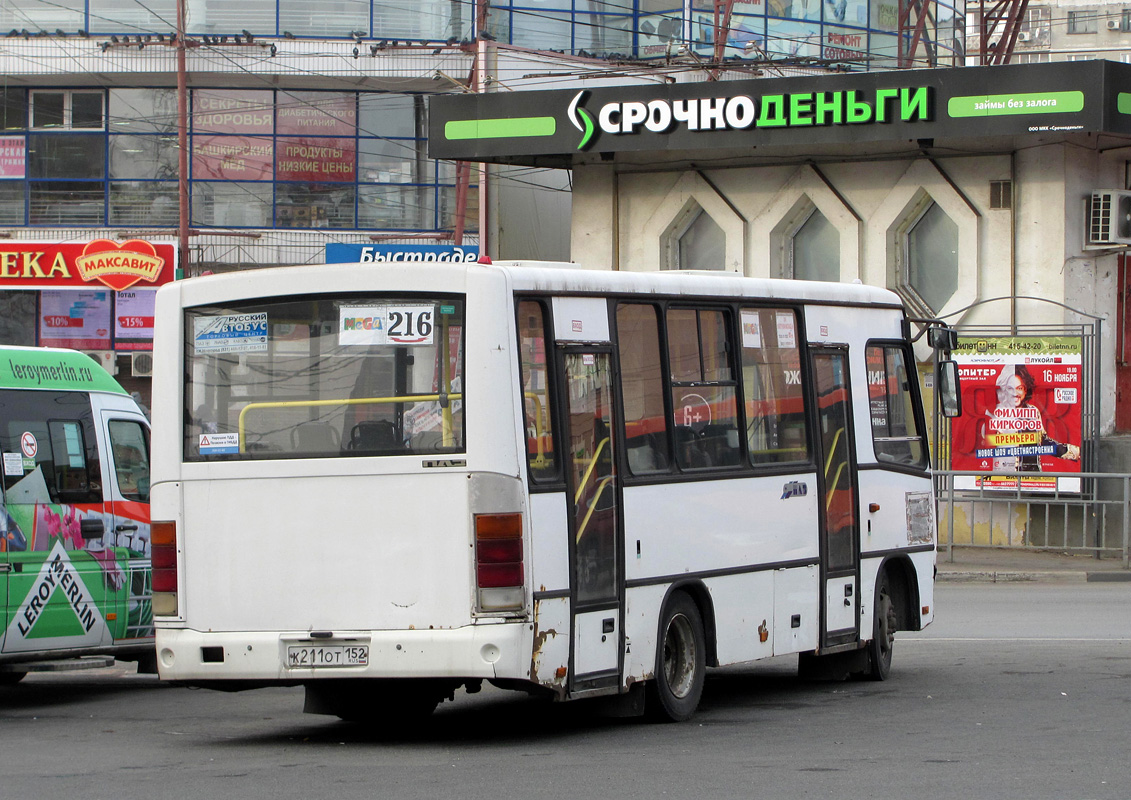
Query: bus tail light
[
  {"x": 499, "y": 569},
  {"x": 163, "y": 550}
]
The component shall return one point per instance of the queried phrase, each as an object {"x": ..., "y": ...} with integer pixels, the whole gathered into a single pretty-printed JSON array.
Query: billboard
[{"x": 1021, "y": 412}]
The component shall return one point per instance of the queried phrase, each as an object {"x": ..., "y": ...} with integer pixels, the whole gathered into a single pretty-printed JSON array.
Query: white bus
[{"x": 385, "y": 482}]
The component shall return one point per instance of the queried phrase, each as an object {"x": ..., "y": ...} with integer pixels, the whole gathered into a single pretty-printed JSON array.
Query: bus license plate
[{"x": 327, "y": 655}]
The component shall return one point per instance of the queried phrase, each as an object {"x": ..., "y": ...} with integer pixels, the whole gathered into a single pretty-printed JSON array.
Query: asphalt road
[{"x": 1017, "y": 691}]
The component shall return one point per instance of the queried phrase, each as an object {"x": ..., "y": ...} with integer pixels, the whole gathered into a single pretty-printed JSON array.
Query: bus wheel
[
  {"x": 680, "y": 662},
  {"x": 883, "y": 634},
  {"x": 11, "y": 678}
]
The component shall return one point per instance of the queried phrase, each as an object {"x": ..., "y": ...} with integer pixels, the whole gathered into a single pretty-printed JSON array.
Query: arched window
[
  {"x": 815, "y": 249},
  {"x": 932, "y": 257},
  {"x": 702, "y": 245}
]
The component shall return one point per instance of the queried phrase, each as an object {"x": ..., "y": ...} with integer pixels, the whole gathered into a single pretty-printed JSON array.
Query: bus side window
[
  {"x": 771, "y": 378},
  {"x": 896, "y": 437},
  {"x": 642, "y": 382},
  {"x": 131, "y": 461},
  {"x": 703, "y": 388},
  {"x": 534, "y": 360},
  {"x": 75, "y": 465}
]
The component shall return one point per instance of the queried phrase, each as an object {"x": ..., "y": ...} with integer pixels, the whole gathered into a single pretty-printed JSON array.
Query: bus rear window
[{"x": 323, "y": 377}]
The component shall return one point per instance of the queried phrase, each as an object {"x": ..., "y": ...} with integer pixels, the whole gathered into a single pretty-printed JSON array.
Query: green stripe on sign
[
  {"x": 1123, "y": 102},
  {"x": 996, "y": 105},
  {"x": 512, "y": 128}
]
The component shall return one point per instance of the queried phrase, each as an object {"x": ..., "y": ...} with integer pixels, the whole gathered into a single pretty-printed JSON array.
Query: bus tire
[
  {"x": 11, "y": 678},
  {"x": 673, "y": 695},
  {"x": 884, "y": 623}
]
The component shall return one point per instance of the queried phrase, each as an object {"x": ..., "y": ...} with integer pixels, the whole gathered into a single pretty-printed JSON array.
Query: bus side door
[
  {"x": 836, "y": 471},
  {"x": 593, "y": 497}
]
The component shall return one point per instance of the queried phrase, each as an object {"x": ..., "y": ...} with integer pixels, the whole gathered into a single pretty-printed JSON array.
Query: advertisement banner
[
  {"x": 233, "y": 111},
  {"x": 97, "y": 264},
  {"x": 133, "y": 319},
  {"x": 316, "y": 160},
  {"x": 316, "y": 113},
  {"x": 1021, "y": 412},
  {"x": 13, "y": 157},
  {"x": 233, "y": 158},
  {"x": 80, "y": 320}
]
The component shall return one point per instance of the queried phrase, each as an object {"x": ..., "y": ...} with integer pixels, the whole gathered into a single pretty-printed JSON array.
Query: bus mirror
[
  {"x": 942, "y": 338},
  {"x": 949, "y": 394}
]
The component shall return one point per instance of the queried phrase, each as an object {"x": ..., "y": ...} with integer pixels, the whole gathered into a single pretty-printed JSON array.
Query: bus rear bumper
[{"x": 499, "y": 650}]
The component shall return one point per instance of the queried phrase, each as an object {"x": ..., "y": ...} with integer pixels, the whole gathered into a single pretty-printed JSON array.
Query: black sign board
[{"x": 555, "y": 127}]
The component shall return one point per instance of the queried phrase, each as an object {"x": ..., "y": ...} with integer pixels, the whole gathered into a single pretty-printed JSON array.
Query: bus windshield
[{"x": 322, "y": 377}]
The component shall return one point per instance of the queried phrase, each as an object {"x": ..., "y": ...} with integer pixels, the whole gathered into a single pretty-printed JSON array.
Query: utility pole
[{"x": 182, "y": 146}]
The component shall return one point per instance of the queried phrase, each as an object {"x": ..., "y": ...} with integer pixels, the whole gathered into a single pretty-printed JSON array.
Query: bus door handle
[
  {"x": 5, "y": 567},
  {"x": 120, "y": 528}
]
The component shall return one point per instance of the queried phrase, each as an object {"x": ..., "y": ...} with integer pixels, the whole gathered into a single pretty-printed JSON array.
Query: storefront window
[
  {"x": 259, "y": 158},
  {"x": 66, "y": 203},
  {"x": 231, "y": 205},
  {"x": 324, "y": 17},
  {"x": 137, "y": 203}
]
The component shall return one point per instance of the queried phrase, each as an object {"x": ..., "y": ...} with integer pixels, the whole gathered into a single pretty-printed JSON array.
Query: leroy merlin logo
[{"x": 58, "y": 606}]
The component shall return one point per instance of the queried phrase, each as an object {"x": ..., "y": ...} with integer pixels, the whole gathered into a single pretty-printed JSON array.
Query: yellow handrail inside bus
[
  {"x": 832, "y": 487},
  {"x": 589, "y": 470},
  {"x": 356, "y": 401},
  {"x": 540, "y": 460},
  {"x": 832, "y": 451},
  {"x": 604, "y": 484}
]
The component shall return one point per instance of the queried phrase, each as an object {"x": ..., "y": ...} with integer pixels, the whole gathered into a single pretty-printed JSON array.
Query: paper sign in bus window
[
  {"x": 212, "y": 444},
  {"x": 787, "y": 330},
  {"x": 231, "y": 333},
  {"x": 751, "y": 329},
  {"x": 369, "y": 325}
]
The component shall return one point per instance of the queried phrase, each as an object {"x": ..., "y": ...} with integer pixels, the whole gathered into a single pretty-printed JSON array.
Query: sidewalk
[{"x": 992, "y": 565}]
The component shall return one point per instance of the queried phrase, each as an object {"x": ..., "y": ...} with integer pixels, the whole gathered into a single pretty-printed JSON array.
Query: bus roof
[
  {"x": 53, "y": 368},
  {"x": 572, "y": 278},
  {"x": 544, "y": 276}
]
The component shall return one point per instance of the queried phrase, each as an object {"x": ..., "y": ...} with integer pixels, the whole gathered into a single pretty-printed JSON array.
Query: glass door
[{"x": 594, "y": 508}]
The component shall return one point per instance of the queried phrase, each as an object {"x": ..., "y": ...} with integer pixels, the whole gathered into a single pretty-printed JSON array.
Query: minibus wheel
[
  {"x": 673, "y": 695},
  {"x": 884, "y": 624}
]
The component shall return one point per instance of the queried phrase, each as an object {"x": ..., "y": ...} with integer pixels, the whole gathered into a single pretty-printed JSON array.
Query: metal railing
[{"x": 1082, "y": 512}]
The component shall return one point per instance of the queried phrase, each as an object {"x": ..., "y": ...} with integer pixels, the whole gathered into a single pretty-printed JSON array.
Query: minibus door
[
  {"x": 839, "y": 519},
  {"x": 127, "y": 520},
  {"x": 594, "y": 527}
]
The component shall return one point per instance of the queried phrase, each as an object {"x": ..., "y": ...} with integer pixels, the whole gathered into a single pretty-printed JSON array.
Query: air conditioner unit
[
  {"x": 1109, "y": 218},
  {"x": 1024, "y": 36},
  {"x": 141, "y": 364},
  {"x": 1113, "y": 24},
  {"x": 106, "y": 359}
]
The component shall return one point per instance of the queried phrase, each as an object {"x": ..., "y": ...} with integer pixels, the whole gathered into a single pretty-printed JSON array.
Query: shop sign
[
  {"x": 1021, "y": 412},
  {"x": 340, "y": 253},
  {"x": 117, "y": 265},
  {"x": 552, "y": 127}
]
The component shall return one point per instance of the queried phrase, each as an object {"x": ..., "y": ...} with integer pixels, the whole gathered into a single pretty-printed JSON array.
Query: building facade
[{"x": 965, "y": 192}]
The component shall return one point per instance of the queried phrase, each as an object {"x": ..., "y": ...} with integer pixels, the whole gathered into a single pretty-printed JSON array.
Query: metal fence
[{"x": 1093, "y": 520}]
